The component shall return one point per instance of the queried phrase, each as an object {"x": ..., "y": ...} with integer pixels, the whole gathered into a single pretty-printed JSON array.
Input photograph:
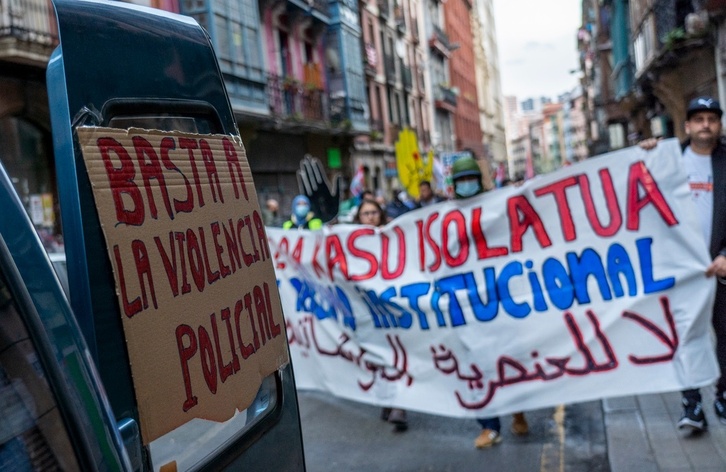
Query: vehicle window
[
  {"x": 162, "y": 122},
  {"x": 58, "y": 259},
  {"x": 32, "y": 433},
  {"x": 193, "y": 443}
]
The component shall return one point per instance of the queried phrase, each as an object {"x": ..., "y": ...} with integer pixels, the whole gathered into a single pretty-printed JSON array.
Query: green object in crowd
[{"x": 334, "y": 161}]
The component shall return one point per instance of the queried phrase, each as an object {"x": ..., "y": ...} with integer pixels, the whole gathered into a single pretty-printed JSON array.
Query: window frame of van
[{"x": 75, "y": 420}]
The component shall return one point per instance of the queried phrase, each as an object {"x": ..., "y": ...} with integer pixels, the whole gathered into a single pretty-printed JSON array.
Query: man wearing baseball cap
[
  {"x": 703, "y": 104},
  {"x": 704, "y": 160}
]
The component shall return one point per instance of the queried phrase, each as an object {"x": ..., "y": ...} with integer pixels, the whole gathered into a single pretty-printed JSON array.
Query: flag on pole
[{"x": 358, "y": 182}]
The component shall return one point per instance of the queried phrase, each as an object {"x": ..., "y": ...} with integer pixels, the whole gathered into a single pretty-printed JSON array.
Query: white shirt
[{"x": 700, "y": 181}]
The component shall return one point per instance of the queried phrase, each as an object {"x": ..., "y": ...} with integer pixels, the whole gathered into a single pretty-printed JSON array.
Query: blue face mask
[
  {"x": 301, "y": 211},
  {"x": 467, "y": 188}
]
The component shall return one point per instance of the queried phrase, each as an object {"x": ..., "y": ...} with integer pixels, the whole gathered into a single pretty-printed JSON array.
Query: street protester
[
  {"x": 396, "y": 206},
  {"x": 381, "y": 200},
  {"x": 372, "y": 214},
  {"x": 426, "y": 195},
  {"x": 406, "y": 199},
  {"x": 466, "y": 176},
  {"x": 302, "y": 216},
  {"x": 704, "y": 160},
  {"x": 271, "y": 212},
  {"x": 347, "y": 206}
]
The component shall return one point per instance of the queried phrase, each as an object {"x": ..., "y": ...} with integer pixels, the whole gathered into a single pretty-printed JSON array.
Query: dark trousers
[
  {"x": 492, "y": 423},
  {"x": 719, "y": 326}
]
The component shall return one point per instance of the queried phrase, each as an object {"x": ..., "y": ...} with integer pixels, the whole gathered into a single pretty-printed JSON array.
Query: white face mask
[{"x": 467, "y": 188}]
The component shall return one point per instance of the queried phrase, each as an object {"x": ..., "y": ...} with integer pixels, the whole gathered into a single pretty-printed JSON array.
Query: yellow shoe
[
  {"x": 487, "y": 438},
  {"x": 519, "y": 424}
]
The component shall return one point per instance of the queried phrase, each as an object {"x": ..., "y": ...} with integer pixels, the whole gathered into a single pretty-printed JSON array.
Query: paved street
[
  {"x": 642, "y": 436},
  {"x": 345, "y": 436},
  {"x": 628, "y": 434}
]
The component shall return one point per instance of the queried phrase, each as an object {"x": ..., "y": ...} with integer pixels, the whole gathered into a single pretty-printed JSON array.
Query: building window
[{"x": 26, "y": 154}]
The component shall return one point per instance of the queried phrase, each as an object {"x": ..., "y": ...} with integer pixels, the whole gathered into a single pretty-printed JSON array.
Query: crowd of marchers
[
  {"x": 302, "y": 213},
  {"x": 704, "y": 163},
  {"x": 371, "y": 208}
]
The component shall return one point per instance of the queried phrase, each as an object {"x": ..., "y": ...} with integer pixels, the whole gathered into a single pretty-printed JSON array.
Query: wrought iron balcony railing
[
  {"x": 445, "y": 97},
  {"x": 414, "y": 30},
  {"x": 376, "y": 125},
  {"x": 440, "y": 40},
  {"x": 400, "y": 20},
  {"x": 407, "y": 78},
  {"x": 321, "y": 6},
  {"x": 292, "y": 99},
  {"x": 383, "y": 8},
  {"x": 27, "y": 30},
  {"x": 370, "y": 59},
  {"x": 389, "y": 63}
]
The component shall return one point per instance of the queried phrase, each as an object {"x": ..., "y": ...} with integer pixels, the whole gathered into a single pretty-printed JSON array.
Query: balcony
[
  {"x": 383, "y": 10},
  {"x": 318, "y": 9},
  {"x": 320, "y": 6},
  {"x": 407, "y": 78},
  {"x": 377, "y": 129},
  {"x": 291, "y": 99},
  {"x": 445, "y": 98},
  {"x": 376, "y": 125},
  {"x": 439, "y": 41},
  {"x": 389, "y": 62},
  {"x": 400, "y": 20},
  {"x": 370, "y": 59},
  {"x": 414, "y": 30},
  {"x": 28, "y": 32}
]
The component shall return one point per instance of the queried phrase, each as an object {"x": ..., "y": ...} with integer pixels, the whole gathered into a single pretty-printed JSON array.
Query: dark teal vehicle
[{"x": 67, "y": 397}]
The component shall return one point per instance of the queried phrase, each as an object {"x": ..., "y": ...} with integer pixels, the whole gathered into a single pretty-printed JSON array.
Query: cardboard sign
[{"x": 193, "y": 271}]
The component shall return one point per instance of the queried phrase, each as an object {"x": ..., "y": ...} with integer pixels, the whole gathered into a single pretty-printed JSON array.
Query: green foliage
[{"x": 674, "y": 37}]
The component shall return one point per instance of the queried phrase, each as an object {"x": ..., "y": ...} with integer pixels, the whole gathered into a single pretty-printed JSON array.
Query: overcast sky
[{"x": 537, "y": 46}]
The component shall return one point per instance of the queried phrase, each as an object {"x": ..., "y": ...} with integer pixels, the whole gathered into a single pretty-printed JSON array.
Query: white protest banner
[{"x": 581, "y": 284}]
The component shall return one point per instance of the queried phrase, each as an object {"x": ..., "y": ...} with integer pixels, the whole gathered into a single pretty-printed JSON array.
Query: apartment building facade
[
  {"x": 337, "y": 80},
  {"x": 647, "y": 59}
]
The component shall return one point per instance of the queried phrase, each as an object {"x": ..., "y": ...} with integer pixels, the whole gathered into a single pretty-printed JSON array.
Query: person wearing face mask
[
  {"x": 466, "y": 175},
  {"x": 302, "y": 217}
]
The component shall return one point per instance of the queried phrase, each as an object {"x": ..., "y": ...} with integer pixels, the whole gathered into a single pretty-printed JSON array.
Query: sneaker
[
  {"x": 398, "y": 418},
  {"x": 384, "y": 413},
  {"x": 693, "y": 417},
  {"x": 519, "y": 424},
  {"x": 487, "y": 438},
  {"x": 720, "y": 406}
]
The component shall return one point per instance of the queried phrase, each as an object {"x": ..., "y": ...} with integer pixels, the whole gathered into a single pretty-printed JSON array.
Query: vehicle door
[
  {"x": 53, "y": 413},
  {"x": 127, "y": 67}
]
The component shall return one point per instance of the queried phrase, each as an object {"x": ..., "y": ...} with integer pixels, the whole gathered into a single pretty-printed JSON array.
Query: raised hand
[
  {"x": 648, "y": 144},
  {"x": 314, "y": 183}
]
